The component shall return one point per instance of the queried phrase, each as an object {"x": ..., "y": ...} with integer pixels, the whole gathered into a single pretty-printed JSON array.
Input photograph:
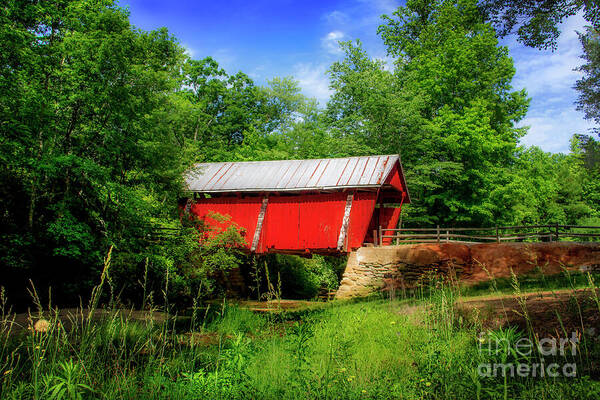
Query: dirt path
[
  {"x": 70, "y": 317},
  {"x": 549, "y": 312},
  {"x": 278, "y": 305}
]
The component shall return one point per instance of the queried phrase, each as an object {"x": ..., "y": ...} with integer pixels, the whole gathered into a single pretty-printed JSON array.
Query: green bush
[{"x": 300, "y": 277}]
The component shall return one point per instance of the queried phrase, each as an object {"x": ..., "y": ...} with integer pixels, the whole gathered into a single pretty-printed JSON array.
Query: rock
[{"x": 391, "y": 267}]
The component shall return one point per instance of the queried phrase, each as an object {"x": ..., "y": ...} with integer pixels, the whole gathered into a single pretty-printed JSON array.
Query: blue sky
[{"x": 265, "y": 39}]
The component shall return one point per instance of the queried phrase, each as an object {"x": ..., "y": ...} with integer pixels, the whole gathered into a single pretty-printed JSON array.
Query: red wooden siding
[
  {"x": 280, "y": 226},
  {"x": 243, "y": 211},
  {"x": 395, "y": 179},
  {"x": 388, "y": 218},
  {"x": 363, "y": 206},
  {"x": 310, "y": 221},
  {"x": 303, "y": 222}
]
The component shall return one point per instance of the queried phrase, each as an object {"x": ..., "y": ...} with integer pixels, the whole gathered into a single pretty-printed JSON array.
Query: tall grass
[{"x": 419, "y": 348}]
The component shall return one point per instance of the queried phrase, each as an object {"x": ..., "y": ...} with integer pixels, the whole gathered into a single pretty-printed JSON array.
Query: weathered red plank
[
  {"x": 309, "y": 221},
  {"x": 243, "y": 211}
]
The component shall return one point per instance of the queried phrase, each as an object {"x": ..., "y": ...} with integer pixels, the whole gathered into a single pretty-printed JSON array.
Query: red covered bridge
[{"x": 302, "y": 206}]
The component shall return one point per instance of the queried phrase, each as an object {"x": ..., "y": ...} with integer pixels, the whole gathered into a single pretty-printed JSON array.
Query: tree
[
  {"x": 299, "y": 129},
  {"x": 543, "y": 188},
  {"x": 288, "y": 126},
  {"x": 589, "y": 85},
  {"x": 218, "y": 110},
  {"x": 536, "y": 21},
  {"x": 86, "y": 163},
  {"x": 368, "y": 109},
  {"x": 447, "y": 107},
  {"x": 586, "y": 153},
  {"x": 98, "y": 123}
]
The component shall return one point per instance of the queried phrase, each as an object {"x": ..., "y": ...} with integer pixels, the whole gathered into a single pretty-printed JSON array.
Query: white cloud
[
  {"x": 257, "y": 72},
  {"x": 549, "y": 78},
  {"x": 544, "y": 71},
  {"x": 336, "y": 17},
  {"x": 387, "y": 61},
  {"x": 361, "y": 14},
  {"x": 382, "y": 6},
  {"x": 552, "y": 130},
  {"x": 223, "y": 56},
  {"x": 313, "y": 80},
  {"x": 226, "y": 59},
  {"x": 330, "y": 42},
  {"x": 190, "y": 51}
]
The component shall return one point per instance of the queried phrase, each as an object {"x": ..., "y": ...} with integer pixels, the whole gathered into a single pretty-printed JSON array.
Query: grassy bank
[{"x": 416, "y": 348}]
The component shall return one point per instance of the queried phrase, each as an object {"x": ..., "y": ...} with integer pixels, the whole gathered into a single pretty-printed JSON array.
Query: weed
[
  {"x": 67, "y": 384},
  {"x": 368, "y": 348}
]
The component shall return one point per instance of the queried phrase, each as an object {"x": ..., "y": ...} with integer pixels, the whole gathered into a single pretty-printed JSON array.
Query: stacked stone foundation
[{"x": 371, "y": 269}]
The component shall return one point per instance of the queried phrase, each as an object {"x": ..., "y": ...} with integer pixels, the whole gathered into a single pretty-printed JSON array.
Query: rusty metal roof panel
[{"x": 290, "y": 175}]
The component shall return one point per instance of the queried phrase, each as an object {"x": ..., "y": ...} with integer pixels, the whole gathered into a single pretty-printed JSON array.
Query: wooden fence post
[
  {"x": 497, "y": 235},
  {"x": 447, "y": 236},
  {"x": 438, "y": 234},
  {"x": 556, "y": 232},
  {"x": 375, "y": 238},
  {"x": 380, "y": 238}
]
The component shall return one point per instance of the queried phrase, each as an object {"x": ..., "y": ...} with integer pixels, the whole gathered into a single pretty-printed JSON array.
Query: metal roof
[{"x": 291, "y": 175}]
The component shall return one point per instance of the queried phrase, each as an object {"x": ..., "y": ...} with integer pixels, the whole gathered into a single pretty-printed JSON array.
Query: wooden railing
[{"x": 498, "y": 234}]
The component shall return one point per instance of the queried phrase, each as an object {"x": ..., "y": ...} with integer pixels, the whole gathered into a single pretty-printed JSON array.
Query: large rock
[{"x": 373, "y": 268}]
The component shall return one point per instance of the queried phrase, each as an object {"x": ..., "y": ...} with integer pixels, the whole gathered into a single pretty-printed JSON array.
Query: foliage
[
  {"x": 447, "y": 107},
  {"x": 536, "y": 21},
  {"x": 191, "y": 261},
  {"x": 303, "y": 278},
  {"x": 67, "y": 385},
  {"x": 220, "y": 111},
  {"x": 543, "y": 188},
  {"x": 218, "y": 253},
  {"x": 589, "y": 86},
  {"x": 99, "y": 121},
  {"x": 412, "y": 348},
  {"x": 85, "y": 162}
]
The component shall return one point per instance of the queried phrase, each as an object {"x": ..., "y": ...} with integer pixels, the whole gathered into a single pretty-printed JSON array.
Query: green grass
[
  {"x": 345, "y": 350},
  {"x": 533, "y": 282}
]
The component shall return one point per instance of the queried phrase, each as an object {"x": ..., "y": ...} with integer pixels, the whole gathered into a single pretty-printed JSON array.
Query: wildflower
[
  {"x": 7, "y": 372},
  {"x": 427, "y": 383},
  {"x": 364, "y": 391},
  {"x": 393, "y": 323},
  {"x": 349, "y": 379},
  {"x": 342, "y": 369},
  {"x": 41, "y": 326}
]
